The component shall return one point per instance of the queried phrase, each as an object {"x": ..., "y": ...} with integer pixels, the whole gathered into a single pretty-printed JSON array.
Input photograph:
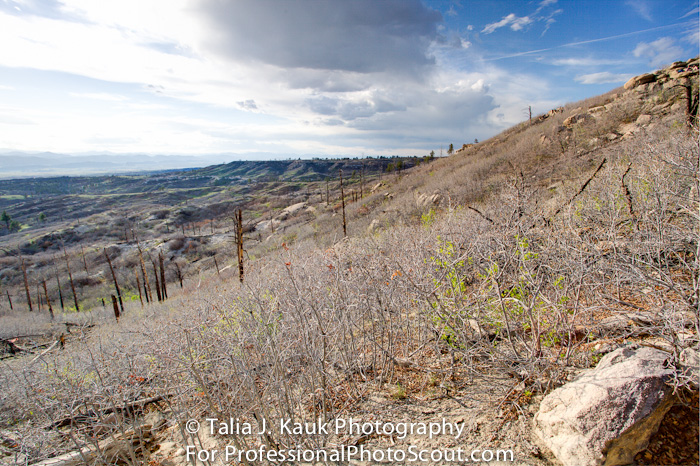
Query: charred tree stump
[{"x": 116, "y": 308}]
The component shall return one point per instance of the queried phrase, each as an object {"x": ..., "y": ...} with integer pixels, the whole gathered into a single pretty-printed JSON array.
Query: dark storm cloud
[{"x": 364, "y": 36}]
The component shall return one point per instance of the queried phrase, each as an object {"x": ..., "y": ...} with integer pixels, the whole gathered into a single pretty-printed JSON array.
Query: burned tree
[
  {"x": 70, "y": 278},
  {"x": 342, "y": 200},
  {"x": 239, "y": 242},
  {"x": 26, "y": 283},
  {"x": 116, "y": 283}
]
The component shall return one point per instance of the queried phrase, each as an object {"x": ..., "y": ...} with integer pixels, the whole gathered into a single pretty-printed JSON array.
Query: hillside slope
[{"x": 467, "y": 289}]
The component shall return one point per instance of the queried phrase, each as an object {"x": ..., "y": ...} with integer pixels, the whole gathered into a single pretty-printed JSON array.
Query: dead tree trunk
[
  {"x": 628, "y": 197},
  {"x": 70, "y": 278},
  {"x": 48, "y": 301},
  {"x": 155, "y": 273},
  {"x": 26, "y": 284},
  {"x": 145, "y": 290},
  {"x": 38, "y": 297},
  {"x": 138, "y": 286},
  {"x": 216, "y": 264},
  {"x": 146, "y": 283},
  {"x": 239, "y": 242},
  {"x": 164, "y": 289},
  {"x": 116, "y": 283},
  {"x": 342, "y": 200},
  {"x": 179, "y": 274},
  {"x": 58, "y": 283},
  {"x": 116, "y": 307},
  {"x": 9, "y": 300},
  {"x": 362, "y": 181}
]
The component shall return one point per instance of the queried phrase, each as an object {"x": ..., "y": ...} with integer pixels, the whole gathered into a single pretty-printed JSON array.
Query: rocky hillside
[{"x": 530, "y": 300}]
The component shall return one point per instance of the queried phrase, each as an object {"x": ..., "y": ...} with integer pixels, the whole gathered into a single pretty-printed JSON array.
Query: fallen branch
[
  {"x": 138, "y": 404},
  {"x": 582, "y": 187},
  {"x": 480, "y": 214},
  {"x": 112, "y": 450},
  {"x": 53, "y": 345}
]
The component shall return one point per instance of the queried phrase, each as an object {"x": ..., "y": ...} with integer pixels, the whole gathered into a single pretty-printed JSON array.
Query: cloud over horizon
[{"x": 314, "y": 77}]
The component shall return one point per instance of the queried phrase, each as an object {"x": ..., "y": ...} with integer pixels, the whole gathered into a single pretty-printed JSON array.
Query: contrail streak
[{"x": 591, "y": 41}]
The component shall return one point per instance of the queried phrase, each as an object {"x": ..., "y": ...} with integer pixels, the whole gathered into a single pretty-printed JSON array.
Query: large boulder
[
  {"x": 607, "y": 414},
  {"x": 639, "y": 80},
  {"x": 291, "y": 211}
]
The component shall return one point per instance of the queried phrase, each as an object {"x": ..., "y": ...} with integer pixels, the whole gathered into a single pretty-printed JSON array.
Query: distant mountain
[{"x": 41, "y": 164}]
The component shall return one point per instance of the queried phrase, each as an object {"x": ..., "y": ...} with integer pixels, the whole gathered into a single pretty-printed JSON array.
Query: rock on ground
[{"x": 607, "y": 414}]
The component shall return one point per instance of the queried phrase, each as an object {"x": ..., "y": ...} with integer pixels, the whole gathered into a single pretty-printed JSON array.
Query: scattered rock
[
  {"x": 544, "y": 140},
  {"x": 597, "y": 109},
  {"x": 560, "y": 129},
  {"x": 629, "y": 323},
  {"x": 607, "y": 415},
  {"x": 643, "y": 120},
  {"x": 605, "y": 347},
  {"x": 424, "y": 200},
  {"x": 374, "y": 226},
  {"x": 577, "y": 118},
  {"x": 677, "y": 64},
  {"x": 628, "y": 128}
]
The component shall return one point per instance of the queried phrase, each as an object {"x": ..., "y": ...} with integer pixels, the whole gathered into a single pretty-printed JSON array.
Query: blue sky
[{"x": 285, "y": 78}]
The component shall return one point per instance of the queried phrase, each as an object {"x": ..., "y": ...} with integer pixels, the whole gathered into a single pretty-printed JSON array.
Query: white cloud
[
  {"x": 516, "y": 23},
  {"x": 659, "y": 52},
  {"x": 692, "y": 12},
  {"x": 602, "y": 77},
  {"x": 641, "y": 7},
  {"x": 583, "y": 61}
]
